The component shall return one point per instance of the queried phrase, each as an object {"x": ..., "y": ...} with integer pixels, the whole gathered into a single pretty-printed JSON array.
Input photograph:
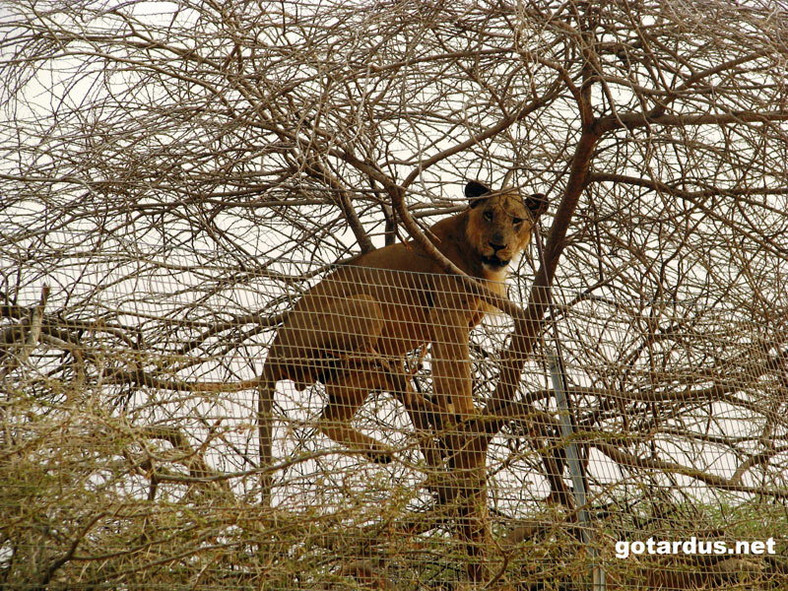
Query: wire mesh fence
[
  {"x": 132, "y": 453},
  {"x": 179, "y": 410}
]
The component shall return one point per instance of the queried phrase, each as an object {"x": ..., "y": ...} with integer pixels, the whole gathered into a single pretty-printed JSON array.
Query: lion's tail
[{"x": 265, "y": 430}]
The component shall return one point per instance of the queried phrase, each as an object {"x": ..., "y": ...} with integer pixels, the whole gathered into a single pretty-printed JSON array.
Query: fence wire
[{"x": 130, "y": 447}]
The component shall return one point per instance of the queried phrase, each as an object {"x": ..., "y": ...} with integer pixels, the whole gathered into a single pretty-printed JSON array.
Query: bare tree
[{"x": 176, "y": 174}]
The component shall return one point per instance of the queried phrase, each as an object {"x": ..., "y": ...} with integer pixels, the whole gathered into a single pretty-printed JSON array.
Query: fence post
[{"x": 575, "y": 469}]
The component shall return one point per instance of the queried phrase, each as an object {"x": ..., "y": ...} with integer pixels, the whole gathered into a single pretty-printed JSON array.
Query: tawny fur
[{"x": 352, "y": 330}]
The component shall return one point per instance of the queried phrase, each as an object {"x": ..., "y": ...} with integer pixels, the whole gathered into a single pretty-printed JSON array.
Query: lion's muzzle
[{"x": 494, "y": 262}]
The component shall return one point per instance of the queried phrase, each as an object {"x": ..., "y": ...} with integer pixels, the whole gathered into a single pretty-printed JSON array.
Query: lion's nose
[{"x": 495, "y": 246}]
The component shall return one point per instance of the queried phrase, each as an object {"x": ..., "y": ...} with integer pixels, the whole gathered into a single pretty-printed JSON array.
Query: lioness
[{"x": 373, "y": 310}]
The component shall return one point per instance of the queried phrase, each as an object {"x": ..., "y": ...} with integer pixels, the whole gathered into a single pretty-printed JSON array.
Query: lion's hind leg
[
  {"x": 333, "y": 340},
  {"x": 345, "y": 397}
]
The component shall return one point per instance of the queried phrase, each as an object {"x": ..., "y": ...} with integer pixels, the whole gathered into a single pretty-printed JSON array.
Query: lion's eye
[
  {"x": 488, "y": 216},
  {"x": 517, "y": 221}
]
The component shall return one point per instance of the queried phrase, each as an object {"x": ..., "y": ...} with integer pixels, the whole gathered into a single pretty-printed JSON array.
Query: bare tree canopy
[{"x": 173, "y": 175}]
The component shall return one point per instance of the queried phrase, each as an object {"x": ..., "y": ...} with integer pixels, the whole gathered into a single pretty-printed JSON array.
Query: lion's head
[{"x": 500, "y": 223}]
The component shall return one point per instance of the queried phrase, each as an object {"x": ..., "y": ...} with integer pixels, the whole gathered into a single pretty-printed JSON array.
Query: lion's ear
[
  {"x": 536, "y": 204},
  {"x": 474, "y": 190}
]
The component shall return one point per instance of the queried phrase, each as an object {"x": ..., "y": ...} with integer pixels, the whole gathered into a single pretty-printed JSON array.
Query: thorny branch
[{"x": 178, "y": 174}]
